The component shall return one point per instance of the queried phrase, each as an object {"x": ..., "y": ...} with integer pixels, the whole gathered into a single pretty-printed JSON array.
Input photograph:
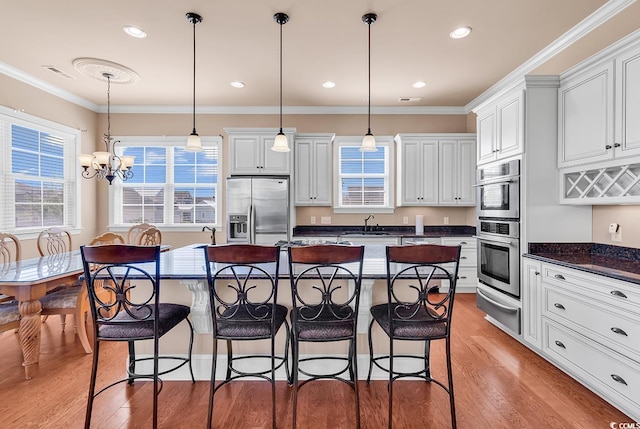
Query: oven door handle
[
  {"x": 493, "y": 240},
  {"x": 495, "y": 181},
  {"x": 496, "y": 303}
]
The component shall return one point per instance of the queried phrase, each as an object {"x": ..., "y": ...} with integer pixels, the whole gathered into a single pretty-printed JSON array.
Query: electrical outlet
[
  {"x": 313, "y": 220},
  {"x": 405, "y": 220},
  {"x": 325, "y": 220},
  {"x": 617, "y": 236},
  {"x": 446, "y": 220}
]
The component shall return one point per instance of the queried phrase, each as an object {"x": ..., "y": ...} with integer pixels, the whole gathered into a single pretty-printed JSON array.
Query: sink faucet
[
  {"x": 213, "y": 233},
  {"x": 367, "y": 220}
]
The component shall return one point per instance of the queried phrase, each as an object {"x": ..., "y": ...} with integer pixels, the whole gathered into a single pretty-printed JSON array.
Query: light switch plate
[
  {"x": 313, "y": 220},
  {"x": 325, "y": 220}
]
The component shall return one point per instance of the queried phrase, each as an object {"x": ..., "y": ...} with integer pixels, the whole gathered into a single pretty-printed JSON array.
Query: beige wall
[{"x": 628, "y": 217}]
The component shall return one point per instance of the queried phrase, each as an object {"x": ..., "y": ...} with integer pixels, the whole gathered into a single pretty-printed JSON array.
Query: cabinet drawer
[
  {"x": 612, "y": 375},
  {"x": 625, "y": 295},
  {"x": 465, "y": 242},
  {"x": 620, "y": 330}
]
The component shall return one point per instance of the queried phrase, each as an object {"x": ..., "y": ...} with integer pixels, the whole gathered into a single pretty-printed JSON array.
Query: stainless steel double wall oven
[{"x": 498, "y": 237}]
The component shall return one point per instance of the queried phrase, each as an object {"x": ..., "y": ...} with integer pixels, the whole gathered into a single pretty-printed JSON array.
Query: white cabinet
[
  {"x": 312, "y": 172},
  {"x": 598, "y": 111},
  {"x": 436, "y": 169},
  {"x": 418, "y": 171},
  {"x": 589, "y": 326},
  {"x": 531, "y": 298},
  {"x": 250, "y": 152},
  {"x": 500, "y": 127},
  {"x": 457, "y": 168},
  {"x": 467, "y": 269}
]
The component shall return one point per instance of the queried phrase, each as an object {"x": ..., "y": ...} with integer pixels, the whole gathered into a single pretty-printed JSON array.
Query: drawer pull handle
[
  {"x": 463, "y": 257},
  {"x": 618, "y": 379},
  {"x": 559, "y": 277},
  {"x": 618, "y": 293},
  {"x": 619, "y": 331},
  {"x": 463, "y": 242},
  {"x": 560, "y": 306},
  {"x": 559, "y": 344},
  {"x": 462, "y": 277}
]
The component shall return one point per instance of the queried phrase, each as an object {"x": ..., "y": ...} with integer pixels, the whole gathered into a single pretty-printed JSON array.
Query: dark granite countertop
[
  {"x": 622, "y": 263},
  {"x": 403, "y": 231}
]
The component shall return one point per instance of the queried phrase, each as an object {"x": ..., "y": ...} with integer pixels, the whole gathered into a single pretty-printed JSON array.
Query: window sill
[
  {"x": 363, "y": 209},
  {"x": 168, "y": 228}
]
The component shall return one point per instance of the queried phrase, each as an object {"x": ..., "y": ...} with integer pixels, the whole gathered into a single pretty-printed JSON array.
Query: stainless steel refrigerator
[{"x": 257, "y": 209}]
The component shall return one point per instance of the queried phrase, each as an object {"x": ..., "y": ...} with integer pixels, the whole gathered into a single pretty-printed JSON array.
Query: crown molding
[
  {"x": 288, "y": 110},
  {"x": 584, "y": 27}
]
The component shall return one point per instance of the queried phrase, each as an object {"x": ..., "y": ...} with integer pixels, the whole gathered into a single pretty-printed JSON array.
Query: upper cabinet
[
  {"x": 312, "y": 177},
  {"x": 598, "y": 111},
  {"x": 500, "y": 127},
  {"x": 250, "y": 152},
  {"x": 436, "y": 169}
]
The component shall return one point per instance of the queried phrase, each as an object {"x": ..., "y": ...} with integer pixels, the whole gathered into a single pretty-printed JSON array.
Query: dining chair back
[
  {"x": 325, "y": 292},
  {"x": 133, "y": 313},
  {"x": 53, "y": 241},
  {"x": 149, "y": 237},
  {"x": 243, "y": 293},
  {"x": 135, "y": 231},
  {"x": 107, "y": 238},
  {"x": 10, "y": 251},
  {"x": 414, "y": 311}
]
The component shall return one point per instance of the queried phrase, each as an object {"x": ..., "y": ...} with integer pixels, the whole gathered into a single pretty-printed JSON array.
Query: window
[
  {"x": 170, "y": 186},
  {"x": 38, "y": 177},
  {"x": 363, "y": 179}
]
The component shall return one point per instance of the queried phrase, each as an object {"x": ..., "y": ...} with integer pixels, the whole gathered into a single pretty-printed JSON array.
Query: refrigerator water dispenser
[{"x": 238, "y": 227}]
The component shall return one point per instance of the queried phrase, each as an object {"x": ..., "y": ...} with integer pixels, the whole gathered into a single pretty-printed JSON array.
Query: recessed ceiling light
[
  {"x": 329, "y": 84},
  {"x": 419, "y": 84},
  {"x": 237, "y": 84},
  {"x": 460, "y": 32},
  {"x": 135, "y": 32}
]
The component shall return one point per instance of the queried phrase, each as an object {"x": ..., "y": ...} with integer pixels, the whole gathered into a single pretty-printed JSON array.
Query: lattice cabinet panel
[{"x": 607, "y": 185}]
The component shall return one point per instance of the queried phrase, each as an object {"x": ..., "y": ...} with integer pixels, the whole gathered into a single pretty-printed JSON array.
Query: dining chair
[
  {"x": 135, "y": 231},
  {"x": 10, "y": 251},
  {"x": 243, "y": 294},
  {"x": 130, "y": 316},
  {"x": 149, "y": 237},
  {"x": 107, "y": 238},
  {"x": 414, "y": 313},
  {"x": 325, "y": 292}
]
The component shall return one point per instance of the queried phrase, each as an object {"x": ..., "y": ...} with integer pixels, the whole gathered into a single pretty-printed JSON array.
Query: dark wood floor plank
[{"x": 499, "y": 383}]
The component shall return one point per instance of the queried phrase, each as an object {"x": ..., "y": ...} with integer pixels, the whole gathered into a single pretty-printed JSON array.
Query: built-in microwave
[{"x": 498, "y": 190}]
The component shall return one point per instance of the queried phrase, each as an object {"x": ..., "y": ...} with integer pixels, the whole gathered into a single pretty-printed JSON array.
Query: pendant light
[
  {"x": 193, "y": 142},
  {"x": 369, "y": 141},
  {"x": 280, "y": 144}
]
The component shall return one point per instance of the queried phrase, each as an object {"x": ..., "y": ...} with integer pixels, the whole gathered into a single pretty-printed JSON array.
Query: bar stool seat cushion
[
  {"x": 9, "y": 312},
  {"x": 170, "y": 316},
  {"x": 423, "y": 324},
  {"x": 324, "y": 322},
  {"x": 243, "y": 321}
]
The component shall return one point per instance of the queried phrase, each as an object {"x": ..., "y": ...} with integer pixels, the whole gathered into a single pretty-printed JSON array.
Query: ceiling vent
[
  {"x": 409, "y": 99},
  {"x": 58, "y": 72}
]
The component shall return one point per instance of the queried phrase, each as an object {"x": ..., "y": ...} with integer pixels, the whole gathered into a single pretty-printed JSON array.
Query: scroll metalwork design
[{"x": 327, "y": 277}]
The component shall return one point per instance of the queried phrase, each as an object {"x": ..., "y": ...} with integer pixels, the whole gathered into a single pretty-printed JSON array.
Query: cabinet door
[
  {"x": 303, "y": 172},
  {"x": 531, "y": 303},
  {"x": 466, "y": 172},
  {"x": 628, "y": 104},
  {"x": 510, "y": 125},
  {"x": 411, "y": 186},
  {"x": 429, "y": 168},
  {"x": 274, "y": 162},
  {"x": 245, "y": 155},
  {"x": 322, "y": 173},
  {"x": 448, "y": 173},
  {"x": 585, "y": 109},
  {"x": 486, "y": 125}
]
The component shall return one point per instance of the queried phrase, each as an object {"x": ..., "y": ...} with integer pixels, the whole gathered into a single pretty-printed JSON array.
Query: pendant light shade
[
  {"x": 280, "y": 144},
  {"x": 369, "y": 141},
  {"x": 193, "y": 142}
]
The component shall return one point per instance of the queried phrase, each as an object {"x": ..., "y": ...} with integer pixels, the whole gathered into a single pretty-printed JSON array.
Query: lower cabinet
[{"x": 589, "y": 326}]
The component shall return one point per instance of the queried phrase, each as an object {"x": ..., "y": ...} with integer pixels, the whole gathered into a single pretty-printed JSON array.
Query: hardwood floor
[{"x": 498, "y": 382}]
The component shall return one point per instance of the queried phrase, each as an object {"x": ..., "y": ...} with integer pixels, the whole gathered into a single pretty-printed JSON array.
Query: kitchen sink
[{"x": 361, "y": 233}]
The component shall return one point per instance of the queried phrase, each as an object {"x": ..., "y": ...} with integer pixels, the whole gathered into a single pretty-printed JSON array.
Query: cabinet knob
[
  {"x": 537, "y": 273},
  {"x": 559, "y": 306},
  {"x": 618, "y": 293},
  {"x": 618, "y": 379},
  {"x": 559, "y": 344},
  {"x": 619, "y": 331},
  {"x": 608, "y": 146},
  {"x": 559, "y": 277},
  {"x": 617, "y": 145}
]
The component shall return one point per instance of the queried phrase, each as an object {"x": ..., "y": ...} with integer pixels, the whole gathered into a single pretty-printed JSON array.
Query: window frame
[
  {"x": 72, "y": 218},
  {"x": 115, "y": 191},
  {"x": 389, "y": 183}
]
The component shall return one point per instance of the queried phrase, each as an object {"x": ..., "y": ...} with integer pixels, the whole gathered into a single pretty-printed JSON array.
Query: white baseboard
[{"x": 202, "y": 367}]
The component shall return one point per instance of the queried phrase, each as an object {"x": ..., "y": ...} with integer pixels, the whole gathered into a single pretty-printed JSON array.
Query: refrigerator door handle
[{"x": 251, "y": 217}]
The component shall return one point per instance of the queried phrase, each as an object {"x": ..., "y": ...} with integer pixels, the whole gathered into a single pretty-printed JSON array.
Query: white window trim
[
  {"x": 72, "y": 138},
  {"x": 340, "y": 141},
  {"x": 207, "y": 141}
]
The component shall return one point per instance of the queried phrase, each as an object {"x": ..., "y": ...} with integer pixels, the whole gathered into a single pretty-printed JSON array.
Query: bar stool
[
  {"x": 121, "y": 269},
  {"x": 245, "y": 310},
  {"x": 412, "y": 314},
  {"x": 325, "y": 291}
]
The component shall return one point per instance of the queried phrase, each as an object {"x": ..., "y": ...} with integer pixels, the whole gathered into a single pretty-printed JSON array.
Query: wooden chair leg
[{"x": 81, "y": 329}]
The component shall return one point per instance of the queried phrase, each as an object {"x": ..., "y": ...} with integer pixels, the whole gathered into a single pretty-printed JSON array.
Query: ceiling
[{"x": 323, "y": 40}]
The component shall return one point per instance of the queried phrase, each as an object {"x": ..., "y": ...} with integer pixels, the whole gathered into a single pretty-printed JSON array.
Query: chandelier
[{"x": 107, "y": 165}]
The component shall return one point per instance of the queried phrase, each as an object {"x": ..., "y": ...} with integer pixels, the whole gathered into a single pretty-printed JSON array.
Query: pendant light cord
[
  {"x": 194, "y": 75},
  {"x": 281, "y": 24},
  {"x": 108, "y": 108},
  {"x": 369, "y": 97}
]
